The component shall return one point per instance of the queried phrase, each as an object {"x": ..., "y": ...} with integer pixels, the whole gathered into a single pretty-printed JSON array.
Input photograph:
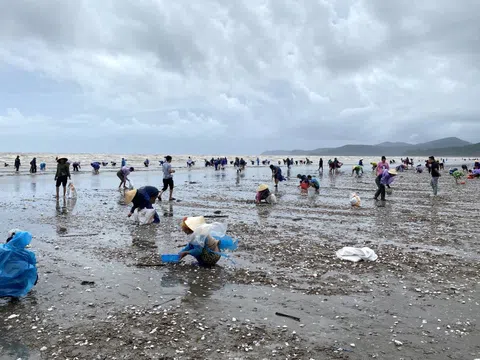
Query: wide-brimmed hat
[
  {"x": 194, "y": 222},
  {"x": 392, "y": 172},
  {"x": 262, "y": 187},
  {"x": 60, "y": 157},
  {"x": 129, "y": 195}
]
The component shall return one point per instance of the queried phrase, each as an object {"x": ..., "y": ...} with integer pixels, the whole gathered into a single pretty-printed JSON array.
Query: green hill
[{"x": 472, "y": 150}]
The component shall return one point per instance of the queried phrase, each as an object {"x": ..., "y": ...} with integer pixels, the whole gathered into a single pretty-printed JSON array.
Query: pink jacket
[{"x": 382, "y": 165}]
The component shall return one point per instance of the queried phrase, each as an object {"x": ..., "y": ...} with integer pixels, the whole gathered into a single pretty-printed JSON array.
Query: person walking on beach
[
  {"x": 384, "y": 180},
  {"x": 167, "y": 178},
  {"x": 124, "y": 162},
  {"x": 382, "y": 165},
  {"x": 17, "y": 163},
  {"x": 435, "y": 172},
  {"x": 320, "y": 165},
  {"x": 123, "y": 176},
  {"x": 33, "y": 165},
  {"x": 76, "y": 166},
  {"x": 62, "y": 174}
]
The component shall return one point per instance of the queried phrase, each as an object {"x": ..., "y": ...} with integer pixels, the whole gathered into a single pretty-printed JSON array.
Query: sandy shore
[{"x": 421, "y": 292}]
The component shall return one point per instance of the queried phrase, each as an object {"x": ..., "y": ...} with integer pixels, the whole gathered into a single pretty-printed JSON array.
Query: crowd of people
[
  {"x": 385, "y": 172},
  {"x": 208, "y": 243}
]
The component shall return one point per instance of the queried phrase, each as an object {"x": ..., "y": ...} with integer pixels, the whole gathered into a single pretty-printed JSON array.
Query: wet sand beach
[{"x": 419, "y": 300}]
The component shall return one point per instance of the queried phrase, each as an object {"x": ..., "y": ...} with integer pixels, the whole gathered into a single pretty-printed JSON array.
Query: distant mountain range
[{"x": 450, "y": 146}]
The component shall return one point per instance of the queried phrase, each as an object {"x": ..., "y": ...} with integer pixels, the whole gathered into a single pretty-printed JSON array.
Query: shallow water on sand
[
  {"x": 285, "y": 263},
  {"x": 179, "y": 161}
]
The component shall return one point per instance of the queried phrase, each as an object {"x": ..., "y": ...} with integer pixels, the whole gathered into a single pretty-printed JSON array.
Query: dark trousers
[{"x": 381, "y": 188}]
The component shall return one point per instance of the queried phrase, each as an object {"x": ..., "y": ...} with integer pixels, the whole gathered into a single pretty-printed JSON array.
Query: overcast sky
[{"x": 236, "y": 76}]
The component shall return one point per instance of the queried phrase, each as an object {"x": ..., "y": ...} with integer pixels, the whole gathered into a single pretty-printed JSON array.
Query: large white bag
[
  {"x": 71, "y": 191},
  {"x": 144, "y": 216},
  {"x": 356, "y": 254}
]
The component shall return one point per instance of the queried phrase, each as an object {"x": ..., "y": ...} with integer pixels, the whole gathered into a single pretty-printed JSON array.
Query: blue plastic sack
[
  {"x": 227, "y": 243},
  {"x": 18, "y": 271}
]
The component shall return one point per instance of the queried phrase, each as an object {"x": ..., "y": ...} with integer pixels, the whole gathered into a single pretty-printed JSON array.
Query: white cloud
[{"x": 275, "y": 74}]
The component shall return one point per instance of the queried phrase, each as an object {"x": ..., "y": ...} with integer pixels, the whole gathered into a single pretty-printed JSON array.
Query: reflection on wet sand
[{"x": 200, "y": 283}]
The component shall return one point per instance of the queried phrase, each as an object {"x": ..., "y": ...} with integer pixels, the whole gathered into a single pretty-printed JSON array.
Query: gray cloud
[{"x": 225, "y": 76}]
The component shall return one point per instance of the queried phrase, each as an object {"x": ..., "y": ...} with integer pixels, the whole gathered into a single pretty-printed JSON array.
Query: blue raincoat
[{"x": 18, "y": 271}]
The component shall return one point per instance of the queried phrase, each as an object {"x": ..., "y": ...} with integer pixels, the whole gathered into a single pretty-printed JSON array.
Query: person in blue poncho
[
  {"x": 142, "y": 198},
  {"x": 18, "y": 271},
  {"x": 206, "y": 240},
  {"x": 96, "y": 167}
]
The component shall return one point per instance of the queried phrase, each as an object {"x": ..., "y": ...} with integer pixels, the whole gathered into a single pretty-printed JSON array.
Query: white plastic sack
[
  {"x": 271, "y": 199},
  {"x": 356, "y": 254},
  {"x": 144, "y": 216},
  {"x": 71, "y": 191},
  {"x": 355, "y": 200}
]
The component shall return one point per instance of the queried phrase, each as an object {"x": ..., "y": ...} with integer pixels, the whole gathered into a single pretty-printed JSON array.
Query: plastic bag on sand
[
  {"x": 130, "y": 185},
  {"x": 355, "y": 200},
  {"x": 18, "y": 271},
  {"x": 356, "y": 254},
  {"x": 71, "y": 191},
  {"x": 144, "y": 216},
  {"x": 271, "y": 199}
]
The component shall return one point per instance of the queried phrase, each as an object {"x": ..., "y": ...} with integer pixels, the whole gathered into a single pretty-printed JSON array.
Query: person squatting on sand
[
  {"x": 18, "y": 270},
  {"x": 62, "y": 174},
  {"x": 142, "y": 198},
  {"x": 304, "y": 183},
  {"x": 205, "y": 241},
  {"x": 264, "y": 195},
  {"x": 384, "y": 180}
]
